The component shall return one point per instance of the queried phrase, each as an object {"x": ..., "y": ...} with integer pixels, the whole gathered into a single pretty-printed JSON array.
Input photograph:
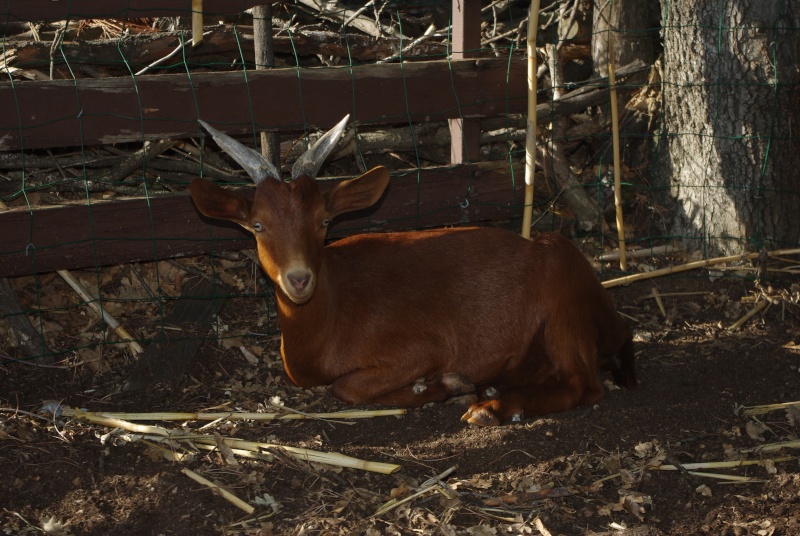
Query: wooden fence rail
[
  {"x": 111, "y": 232},
  {"x": 64, "y": 113}
]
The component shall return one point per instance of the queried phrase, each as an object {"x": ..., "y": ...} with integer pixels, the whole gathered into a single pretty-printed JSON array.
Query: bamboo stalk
[
  {"x": 623, "y": 261},
  {"x": 638, "y": 253},
  {"x": 693, "y": 265},
  {"x": 394, "y": 503},
  {"x": 107, "y": 318},
  {"x": 231, "y": 415},
  {"x": 751, "y": 411},
  {"x": 225, "y": 494},
  {"x": 530, "y": 130},
  {"x": 731, "y": 478},
  {"x": 299, "y": 453},
  {"x": 239, "y": 452},
  {"x": 772, "y": 447},
  {"x": 197, "y": 22},
  {"x": 123, "y": 424},
  {"x": 752, "y": 312},
  {"x": 719, "y": 465},
  {"x": 308, "y": 455}
]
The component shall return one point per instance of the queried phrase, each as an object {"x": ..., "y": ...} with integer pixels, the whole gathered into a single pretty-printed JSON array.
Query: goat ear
[
  {"x": 355, "y": 194},
  {"x": 216, "y": 202}
]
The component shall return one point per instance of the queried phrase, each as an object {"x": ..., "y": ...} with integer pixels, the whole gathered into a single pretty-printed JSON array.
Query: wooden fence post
[{"x": 465, "y": 42}]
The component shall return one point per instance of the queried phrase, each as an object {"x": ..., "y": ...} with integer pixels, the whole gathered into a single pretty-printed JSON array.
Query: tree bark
[
  {"x": 631, "y": 22},
  {"x": 731, "y": 110}
]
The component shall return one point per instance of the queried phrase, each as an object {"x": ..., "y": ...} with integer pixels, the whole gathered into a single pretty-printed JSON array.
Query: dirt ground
[{"x": 588, "y": 471}]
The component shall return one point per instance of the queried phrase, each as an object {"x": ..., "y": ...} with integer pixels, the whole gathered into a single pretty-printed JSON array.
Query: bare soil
[{"x": 587, "y": 471}]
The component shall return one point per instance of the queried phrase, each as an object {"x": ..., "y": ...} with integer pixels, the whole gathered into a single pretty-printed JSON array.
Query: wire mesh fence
[{"x": 99, "y": 140}]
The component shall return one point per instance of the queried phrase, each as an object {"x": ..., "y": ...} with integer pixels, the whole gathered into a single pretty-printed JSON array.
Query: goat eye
[
  {"x": 257, "y": 227},
  {"x": 326, "y": 222}
]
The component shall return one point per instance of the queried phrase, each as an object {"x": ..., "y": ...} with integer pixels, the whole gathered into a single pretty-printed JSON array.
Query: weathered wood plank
[
  {"x": 42, "y": 10},
  {"x": 140, "y": 50},
  {"x": 65, "y": 113},
  {"x": 113, "y": 232}
]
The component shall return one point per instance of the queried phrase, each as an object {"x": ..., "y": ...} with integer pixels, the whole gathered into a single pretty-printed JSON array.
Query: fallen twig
[{"x": 225, "y": 494}]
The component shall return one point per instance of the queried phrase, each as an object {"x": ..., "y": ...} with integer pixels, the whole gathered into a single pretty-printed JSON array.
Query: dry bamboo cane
[
  {"x": 623, "y": 262},
  {"x": 197, "y": 22},
  {"x": 692, "y": 265},
  {"x": 225, "y": 494},
  {"x": 530, "y": 132}
]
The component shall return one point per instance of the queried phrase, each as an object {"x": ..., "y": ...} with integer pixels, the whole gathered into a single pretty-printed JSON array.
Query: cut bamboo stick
[
  {"x": 639, "y": 253},
  {"x": 340, "y": 460},
  {"x": 719, "y": 465},
  {"x": 107, "y": 318},
  {"x": 730, "y": 478},
  {"x": 530, "y": 130},
  {"x": 197, "y": 22},
  {"x": 752, "y": 312},
  {"x": 693, "y": 265},
  {"x": 308, "y": 455},
  {"x": 623, "y": 262},
  {"x": 225, "y": 494},
  {"x": 231, "y": 415},
  {"x": 773, "y": 447},
  {"x": 751, "y": 411}
]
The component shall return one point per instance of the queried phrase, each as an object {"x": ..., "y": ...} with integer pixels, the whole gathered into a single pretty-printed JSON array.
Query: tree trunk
[
  {"x": 731, "y": 108},
  {"x": 632, "y": 24}
]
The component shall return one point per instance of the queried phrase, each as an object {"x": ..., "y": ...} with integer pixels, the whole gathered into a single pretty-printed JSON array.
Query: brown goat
[{"x": 405, "y": 319}]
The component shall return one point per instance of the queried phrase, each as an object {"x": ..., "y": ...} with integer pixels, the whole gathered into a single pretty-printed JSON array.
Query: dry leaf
[
  {"x": 704, "y": 490},
  {"x": 769, "y": 465},
  {"x": 633, "y": 507},
  {"x": 755, "y": 430},
  {"x": 400, "y": 491},
  {"x": 643, "y": 449}
]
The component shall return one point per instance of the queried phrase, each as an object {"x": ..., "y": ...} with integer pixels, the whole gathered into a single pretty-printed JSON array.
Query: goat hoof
[
  {"x": 419, "y": 388},
  {"x": 463, "y": 400},
  {"x": 481, "y": 415}
]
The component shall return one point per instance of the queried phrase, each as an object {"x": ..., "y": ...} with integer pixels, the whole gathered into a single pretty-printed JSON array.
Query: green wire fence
[{"x": 99, "y": 139}]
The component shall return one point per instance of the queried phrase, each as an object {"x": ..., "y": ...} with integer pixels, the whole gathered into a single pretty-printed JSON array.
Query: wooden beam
[
  {"x": 224, "y": 43},
  {"x": 46, "y": 10},
  {"x": 466, "y": 43},
  {"x": 114, "y": 232},
  {"x": 64, "y": 113}
]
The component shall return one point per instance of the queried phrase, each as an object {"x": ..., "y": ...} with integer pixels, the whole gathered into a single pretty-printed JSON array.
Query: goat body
[
  {"x": 394, "y": 315},
  {"x": 513, "y": 327}
]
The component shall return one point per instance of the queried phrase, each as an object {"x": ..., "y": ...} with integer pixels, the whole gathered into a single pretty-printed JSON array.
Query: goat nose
[{"x": 299, "y": 279}]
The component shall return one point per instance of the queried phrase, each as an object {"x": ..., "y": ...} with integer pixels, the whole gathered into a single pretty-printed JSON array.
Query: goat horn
[
  {"x": 258, "y": 167},
  {"x": 310, "y": 162}
]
